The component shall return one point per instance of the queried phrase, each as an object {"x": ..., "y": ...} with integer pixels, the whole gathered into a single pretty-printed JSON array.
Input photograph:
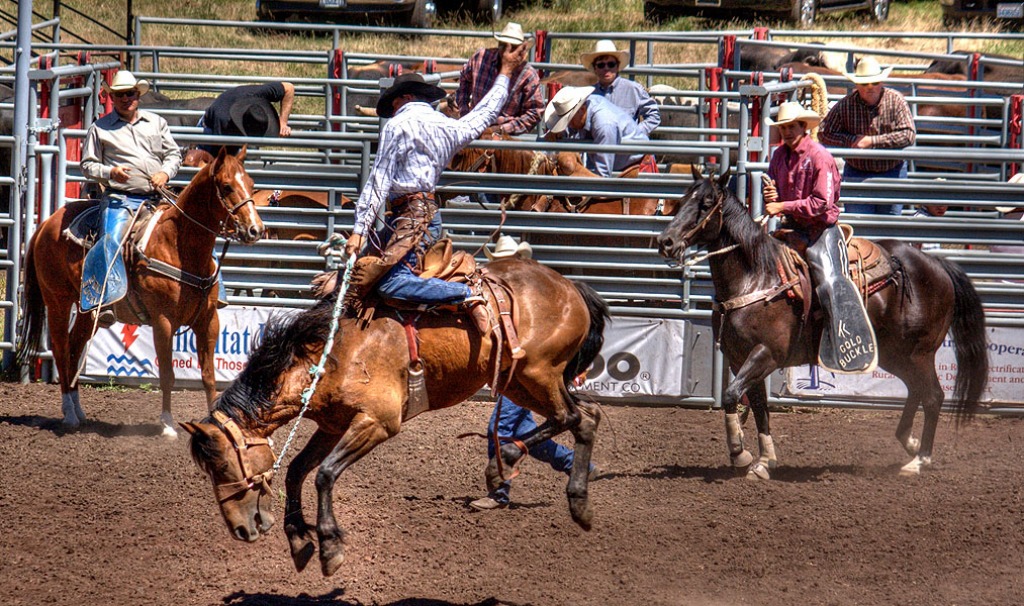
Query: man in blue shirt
[
  {"x": 605, "y": 62},
  {"x": 582, "y": 115}
]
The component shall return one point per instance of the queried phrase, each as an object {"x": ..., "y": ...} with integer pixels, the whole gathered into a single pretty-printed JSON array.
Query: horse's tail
[
  {"x": 591, "y": 346},
  {"x": 33, "y": 313},
  {"x": 970, "y": 340}
]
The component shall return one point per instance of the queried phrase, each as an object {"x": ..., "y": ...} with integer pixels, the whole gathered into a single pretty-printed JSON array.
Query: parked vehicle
[
  {"x": 802, "y": 12},
  {"x": 954, "y": 11},
  {"x": 414, "y": 13}
]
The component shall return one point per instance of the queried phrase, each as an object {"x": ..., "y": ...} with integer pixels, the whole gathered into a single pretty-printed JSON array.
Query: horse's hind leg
[
  {"x": 576, "y": 490},
  {"x": 363, "y": 434},
  {"x": 68, "y": 342},
  {"x": 766, "y": 461},
  {"x": 924, "y": 389},
  {"x": 299, "y": 533}
]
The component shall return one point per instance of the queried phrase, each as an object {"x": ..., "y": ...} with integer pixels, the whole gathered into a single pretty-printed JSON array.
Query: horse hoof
[
  {"x": 330, "y": 565},
  {"x": 582, "y": 513},
  {"x": 743, "y": 459},
  {"x": 301, "y": 555},
  {"x": 70, "y": 424},
  {"x": 169, "y": 433},
  {"x": 758, "y": 471}
]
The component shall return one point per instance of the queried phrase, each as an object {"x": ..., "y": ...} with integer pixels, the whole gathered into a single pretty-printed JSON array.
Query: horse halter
[
  {"x": 242, "y": 444},
  {"x": 232, "y": 210}
]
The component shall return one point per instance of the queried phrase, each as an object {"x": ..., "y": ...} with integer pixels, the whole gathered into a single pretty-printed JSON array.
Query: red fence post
[
  {"x": 1016, "y": 128},
  {"x": 334, "y": 72}
]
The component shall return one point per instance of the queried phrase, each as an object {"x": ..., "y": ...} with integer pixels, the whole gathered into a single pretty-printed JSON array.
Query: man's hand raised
[{"x": 513, "y": 58}]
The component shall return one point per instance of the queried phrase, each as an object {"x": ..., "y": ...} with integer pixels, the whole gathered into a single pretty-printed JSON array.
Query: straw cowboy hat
[
  {"x": 506, "y": 247},
  {"x": 407, "y": 84},
  {"x": 868, "y": 72},
  {"x": 124, "y": 80},
  {"x": 601, "y": 49},
  {"x": 1017, "y": 179},
  {"x": 255, "y": 117},
  {"x": 512, "y": 34},
  {"x": 563, "y": 106},
  {"x": 791, "y": 111}
]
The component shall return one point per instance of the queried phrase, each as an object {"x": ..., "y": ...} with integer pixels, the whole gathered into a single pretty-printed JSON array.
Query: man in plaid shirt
[
  {"x": 522, "y": 110},
  {"x": 871, "y": 117}
]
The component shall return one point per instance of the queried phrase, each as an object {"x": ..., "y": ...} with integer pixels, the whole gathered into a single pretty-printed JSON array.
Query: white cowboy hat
[
  {"x": 791, "y": 111},
  {"x": 601, "y": 49},
  {"x": 563, "y": 106},
  {"x": 1016, "y": 179},
  {"x": 125, "y": 80},
  {"x": 512, "y": 34},
  {"x": 868, "y": 72},
  {"x": 506, "y": 247}
]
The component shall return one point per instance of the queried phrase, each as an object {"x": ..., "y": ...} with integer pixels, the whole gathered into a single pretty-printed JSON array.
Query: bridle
[
  {"x": 232, "y": 211},
  {"x": 716, "y": 209},
  {"x": 228, "y": 490}
]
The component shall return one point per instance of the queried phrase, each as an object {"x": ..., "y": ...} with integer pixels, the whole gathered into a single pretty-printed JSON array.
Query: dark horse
[
  {"x": 910, "y": 317},
  {"x": 170, "y": 281},
  {"x": 363, "y": 398}
]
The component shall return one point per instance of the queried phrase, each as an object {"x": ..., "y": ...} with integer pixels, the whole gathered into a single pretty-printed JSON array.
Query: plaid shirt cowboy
[
  {"x": 889, "y": 124},
  {"x": 525, "y": 103}
]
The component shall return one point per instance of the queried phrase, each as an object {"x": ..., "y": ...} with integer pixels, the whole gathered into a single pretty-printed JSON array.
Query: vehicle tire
[
  {"x": 804, "y": 12},
  {"x": 654, "y": 13},
  {"x": 423, "y": 14},
  {"x": 489, "y": 11},
  {"x": 880, "y": 10}
]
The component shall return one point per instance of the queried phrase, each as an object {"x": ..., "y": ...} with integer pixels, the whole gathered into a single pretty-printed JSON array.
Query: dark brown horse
[
  {"x": 170, "y": 283},
  {"x": 363, "y": 399},
  {"x": 911, "y": 317}
]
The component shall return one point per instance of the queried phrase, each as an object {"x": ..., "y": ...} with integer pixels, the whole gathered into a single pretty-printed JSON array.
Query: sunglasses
[
  {"x": 606, "y": 64},
  {"x": 129, "y": 94}
]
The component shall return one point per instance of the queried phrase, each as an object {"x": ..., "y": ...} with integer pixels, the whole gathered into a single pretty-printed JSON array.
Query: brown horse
[
  {"x": 170, "y": 281},
  {"x": 363, "y": 399},
  {"x": 911, "y": 316},
  {"x": 565, "y": 164}
]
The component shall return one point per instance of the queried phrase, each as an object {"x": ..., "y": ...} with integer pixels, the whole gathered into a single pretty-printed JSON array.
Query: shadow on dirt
[
  {"x": 334, "y": 599},
  {"x": 100, "y": 428}
]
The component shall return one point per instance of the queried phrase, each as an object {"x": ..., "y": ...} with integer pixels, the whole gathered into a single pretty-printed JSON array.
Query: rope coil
[{"x": 335, "y": 243}]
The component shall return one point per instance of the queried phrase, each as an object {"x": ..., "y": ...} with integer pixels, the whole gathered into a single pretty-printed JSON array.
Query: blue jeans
[
  {"x": 402, "y": 284},
  {"x": 516, "y": 422},
  {"x": 852, "y": 175}
]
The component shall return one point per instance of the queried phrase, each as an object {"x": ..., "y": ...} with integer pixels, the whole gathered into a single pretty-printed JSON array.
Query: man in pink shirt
[{"x": 804, "y": 189}]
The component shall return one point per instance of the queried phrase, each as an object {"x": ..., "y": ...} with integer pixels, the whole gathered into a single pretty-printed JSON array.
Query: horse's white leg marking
[
  {"x": 911, "y": 445},
  {"x": 168, "y": 426},
  {"x": 767, "y": 461},
  {"x": 914, "y": 467},
  {"x": 67, "y": 406},
  {"x": 78, "y": 406},
  {"x": 734, "y": 438}
]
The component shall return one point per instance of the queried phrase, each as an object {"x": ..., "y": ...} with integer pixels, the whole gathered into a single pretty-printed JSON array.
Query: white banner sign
[
  {"x": 1005, "y": 378},
  {"x": 641, "y": 357}
]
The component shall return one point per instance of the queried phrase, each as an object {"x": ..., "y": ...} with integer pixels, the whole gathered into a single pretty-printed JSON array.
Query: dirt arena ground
[{"x": 114, "y": 515}]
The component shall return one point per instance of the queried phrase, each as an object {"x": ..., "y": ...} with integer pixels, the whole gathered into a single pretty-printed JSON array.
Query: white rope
[{"x": 338, "y": 243}]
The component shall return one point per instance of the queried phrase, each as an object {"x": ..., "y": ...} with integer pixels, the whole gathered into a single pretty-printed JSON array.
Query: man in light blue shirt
[
  {"x": 605, "y": 61},
  {"x": 582, "y": 115}
]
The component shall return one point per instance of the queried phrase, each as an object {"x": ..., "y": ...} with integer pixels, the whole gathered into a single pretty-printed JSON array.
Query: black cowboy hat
[
  {"x": 407, "y": 84},
  {"x": 255, "y": 117}
]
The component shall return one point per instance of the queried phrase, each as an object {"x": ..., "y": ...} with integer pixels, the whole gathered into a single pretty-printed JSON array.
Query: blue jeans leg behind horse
[
  {"x": 516, "y": 422},
  {"x": 852, "y": 175},
  {"x": 116, "y": 210},
  {"x": 402, "y": 284}
]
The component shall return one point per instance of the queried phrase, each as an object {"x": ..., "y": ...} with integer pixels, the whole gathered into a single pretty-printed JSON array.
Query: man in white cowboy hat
[
  {"x": 522, "y": 109},
  {"x": 605, "y": 61},
  {"x": 871, "y": 117},
  {"x": 804, "y": 189},
  {"x": 576, "y": 113},
  {"x": 416, "y": 144},
  {"x": 248, "y": 111},
  {"x": 514, "y": 421},
  {"x": 132, "y": 154}
]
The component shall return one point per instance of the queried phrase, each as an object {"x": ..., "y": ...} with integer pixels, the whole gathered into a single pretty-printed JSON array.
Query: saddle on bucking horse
[{"x": 861, "y": 268}]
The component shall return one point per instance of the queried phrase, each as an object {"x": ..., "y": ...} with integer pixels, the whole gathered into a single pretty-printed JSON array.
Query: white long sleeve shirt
[
  {"x": 145, "y": 145},
  {"x": 416, "y": 145}
]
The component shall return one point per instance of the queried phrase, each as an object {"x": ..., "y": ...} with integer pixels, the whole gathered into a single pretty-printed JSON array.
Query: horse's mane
[
  {"x": 285, "y": 339},
  {"x": 758, "y": 247}
]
